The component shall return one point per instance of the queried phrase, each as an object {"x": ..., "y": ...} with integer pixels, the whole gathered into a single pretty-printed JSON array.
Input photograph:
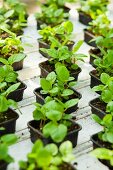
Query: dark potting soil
[
  {"x": 99, "y": 104},
  {"x": 50, "y": 67},
  {"x": 5, "y": 116},
  {"x": 99, "y": 143}
]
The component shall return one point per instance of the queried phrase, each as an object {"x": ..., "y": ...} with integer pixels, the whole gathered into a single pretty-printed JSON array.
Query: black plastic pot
[
  {"x": 46, "y": 68},
  {"x": 96, "y": 107},
  {"x": 95, "y": 51},
  {"x": 36, "y": 134},
  {"x": 40, "y": 99},
  {"x": 96, "y": 144},
  {"x": 88, "y": 36},
  {"x": 3, "y": 165},
  {"x": 84, "y": 18},
  {"x": 64, "y": 166},
  {"x": 43, "y": 44},
  {"x": 95, "y": 81},
  {"x": 18, "y": 65},
  {"x": 10, "y": 123},
  {"x": 17, "y": 95}
]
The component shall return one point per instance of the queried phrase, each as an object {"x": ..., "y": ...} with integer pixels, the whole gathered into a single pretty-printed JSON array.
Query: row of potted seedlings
[
  {"x": 56, "y": 98},
  {"x": 13, "y": 18},
  {"x": 101, "y": 82}
]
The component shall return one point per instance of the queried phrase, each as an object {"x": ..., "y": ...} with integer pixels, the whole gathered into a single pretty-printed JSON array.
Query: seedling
[
  {"x": 106, "y": 89},
  {"x": 93, "y": 8},
  {"x": 103, "y": 154},
  {"x": 107, "y": 134},
  {"x": 51, "y": 15},
  {"x": 54, "y": 122},
  {"x": 5, "y": 142},
  {"x": 58, "y": 83},
  {"x": 48, "y": 157},
  {"x": 100, "y": 26},
  {"x": 61, "y": 33},
  {"x": 63, "y": 55}
]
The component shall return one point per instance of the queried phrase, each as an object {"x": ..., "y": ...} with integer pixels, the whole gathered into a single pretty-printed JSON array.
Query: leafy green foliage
[
  {"x": 107, "y": 134},
  {"x": 63, "y": 55},
  {"x": 61, "y": 33},
  {"x": 58, "y": 84},
  {"x": 5, "y": 142},
  {"x": 52, "y": 115},
  {"x": 8, "y": 84},
  {"x": 54, "y": 156},
  {"x": 94, "y": 8},
  {"x": 103, "y": 154},
  {"x": 9, "y": 46},
  {"x": 106, "y": 89},
  {"x": 59, "y": 3},
  {"x": 13, "y": 15},
  {"x": 51, "y": 15},
  {"x": 100, "y": 26}
]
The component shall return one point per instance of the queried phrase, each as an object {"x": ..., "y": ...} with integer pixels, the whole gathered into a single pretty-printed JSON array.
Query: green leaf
[
  {"x": 51, "y": 77},
  {"x": 9, "y": 139},
  {"x": 71, "y": 103},
  {"x": 66, "y": 148},
  {"x": 107, "y": 96},
  {"x": 54, "y": 115},
  {"x": 3, "y": 151},
  {"x": 109, "y": 137},
  {"x": 16, "y": 58},
  {"x": 77, "y": 46},
  {"x": 96, "y": 118},
  {"x": 58, "y": 134},
  {"x": 12, "y": 88},
  {"x": 3, "y": 104},
  {"x": 9, "y": 13},
  {"x": 62, "y": 73},
  {"x": 38, "y": 115},
  {"x": 48, "y": 128},
  {"x": 4, "y": 61},
  {"x": 104, "y": 78},
  {"x": 52, "y": 148},
  {"x": 67, "y": 92},
  {"x": 45, "y": 84},
  {"x": 107, "y": 119}
]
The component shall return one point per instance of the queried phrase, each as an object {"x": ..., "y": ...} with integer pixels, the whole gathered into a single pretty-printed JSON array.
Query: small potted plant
[
  {"x": 90, "y": 9},
  {"x": 11, "y": 46},
  {"x": 105, "y": 156},
  {"x": 64, "y": 56},
  {"x": 9, "y": 79},
  {"x": 59, "y": 85},
  {"x": 103, "y": 64},
  {"x": 49, "y": 157},
  {"x": 52, "y": 124},
  {"x": 98, "y": 27},
  {"x": 5, "y": 142},
  {"x": 104, "y": 103},
  {"x": 14, "y": 16},
  {"x": 50, "y": 15},
  {"x": 61, "y": 33},
  {"x": 103, "y": 139},
  {"x": 8, "y": 116},
  {"x": 103, "y": 45}
]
